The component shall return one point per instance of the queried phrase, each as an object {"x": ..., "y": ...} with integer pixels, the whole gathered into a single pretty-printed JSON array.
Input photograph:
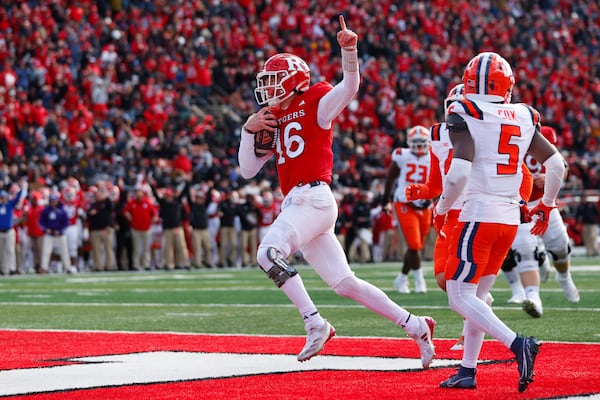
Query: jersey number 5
[{"x": 512, "y": 150}]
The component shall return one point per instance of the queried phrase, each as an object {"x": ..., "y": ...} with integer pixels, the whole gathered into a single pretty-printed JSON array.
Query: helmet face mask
[
  {"x": 456, "y": 93},
  {"x": 69, "y": 193},
  {"x": 488, "y": 77},
  {"x": 282, "y": 76},
  {"x": 418, "y": 140}
]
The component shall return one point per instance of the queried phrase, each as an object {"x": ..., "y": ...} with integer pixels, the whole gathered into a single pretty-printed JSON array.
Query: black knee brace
[
  {"x": 509, "y": 261},
  {"x": 281, "y": 270}
]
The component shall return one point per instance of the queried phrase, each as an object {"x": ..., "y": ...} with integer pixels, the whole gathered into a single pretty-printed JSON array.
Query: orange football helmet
[
  {"x": 282, "y": 76},
  {"x": 418, "y": 140},
  {"x": 489, "y": 77}
]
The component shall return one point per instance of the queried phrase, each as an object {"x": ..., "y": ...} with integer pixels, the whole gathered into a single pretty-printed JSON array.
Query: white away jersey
[
  {"x": 441, "y": 147},
  {"x": 501, "y": 134},
  {"x": 413, "y": 169}
]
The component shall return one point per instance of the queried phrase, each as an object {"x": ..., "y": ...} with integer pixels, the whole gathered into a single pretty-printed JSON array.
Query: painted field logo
[
  {"x": 171, "y": 366},
  {"x": 44, "y": 365}
]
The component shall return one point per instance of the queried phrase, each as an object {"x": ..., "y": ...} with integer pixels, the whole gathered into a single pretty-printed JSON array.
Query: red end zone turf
[{"x": 162, "y": 366}]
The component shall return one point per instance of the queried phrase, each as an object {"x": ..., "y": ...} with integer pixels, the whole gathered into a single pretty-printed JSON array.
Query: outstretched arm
[{"x": 340, "y": 96}]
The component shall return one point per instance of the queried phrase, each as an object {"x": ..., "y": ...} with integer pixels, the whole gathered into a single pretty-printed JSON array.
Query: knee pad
[
  {"x": 560, "y": 255},
  {"x": 509, "y": 261},
  {"x": 280, "y": 270},
  {"x": 527, "y": 260},
  {"x": 540, "y": 256}
]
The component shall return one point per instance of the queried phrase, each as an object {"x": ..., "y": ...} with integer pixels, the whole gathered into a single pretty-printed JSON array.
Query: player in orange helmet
[
  {"x": 410, "y": 166},
  {"x": 490, "y": 137}
]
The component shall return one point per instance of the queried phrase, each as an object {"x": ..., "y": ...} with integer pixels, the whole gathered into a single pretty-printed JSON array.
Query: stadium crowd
[{"x": 109, "y": 97}]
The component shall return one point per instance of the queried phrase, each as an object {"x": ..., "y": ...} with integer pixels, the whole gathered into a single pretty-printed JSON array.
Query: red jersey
[
  {"x": 142, "y": 213},
  {"x": 267, "y": 215},
  {"x": 73, "y": 210},
  {"x": 536, "y": 169},
  {"x": 303, "y": 152},
  {"x": 33, "y": 217}
]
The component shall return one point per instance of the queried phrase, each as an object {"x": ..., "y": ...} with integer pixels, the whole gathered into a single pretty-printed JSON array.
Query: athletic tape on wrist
[{"x": 350, "y": 59}]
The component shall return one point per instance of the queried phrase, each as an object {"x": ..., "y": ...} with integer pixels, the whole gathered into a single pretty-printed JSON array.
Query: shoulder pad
[
  {"x": 535, "y": 115},
  {"x": 469, "y": 108},
  {"x": 435, "y": 132},
  {"x": 455, "y": 122}
]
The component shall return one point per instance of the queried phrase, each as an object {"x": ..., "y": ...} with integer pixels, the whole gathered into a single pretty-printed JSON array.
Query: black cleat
[
  {"x": 526, "y": 350},
  {"x": 464, "y": 379}
]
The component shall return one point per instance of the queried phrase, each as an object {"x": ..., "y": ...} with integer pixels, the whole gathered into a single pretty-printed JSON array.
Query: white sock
[
  {"x": 512, "y": 277},
  {"x": 532, "y": 292},
  {"x": 296, "y": 292},
  {"x": 418, "y": 274},
  {"x": 563, "y": 276}
]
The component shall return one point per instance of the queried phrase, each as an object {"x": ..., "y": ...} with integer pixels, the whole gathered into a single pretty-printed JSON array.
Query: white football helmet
[
  {"x": 282, "y": 76},
  {"x": 456, "y": 93},
  {"x": 418, "y": 140},
  {"x": 69, "y": 194}
]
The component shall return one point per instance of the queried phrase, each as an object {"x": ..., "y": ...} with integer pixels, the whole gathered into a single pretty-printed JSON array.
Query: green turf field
[{"x": 245, "y": 301}]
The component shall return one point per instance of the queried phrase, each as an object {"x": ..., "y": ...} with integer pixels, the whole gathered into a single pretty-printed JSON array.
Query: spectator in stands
[
  {"x": 588, "y": 216},
  {"x": 50, "y": 89}
]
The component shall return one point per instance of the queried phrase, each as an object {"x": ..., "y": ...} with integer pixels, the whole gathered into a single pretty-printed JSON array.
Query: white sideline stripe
[
  {"x": 256, "y": 305},
  {"x": 392, "y": 338},
  {"x": 105, "y": 291}
]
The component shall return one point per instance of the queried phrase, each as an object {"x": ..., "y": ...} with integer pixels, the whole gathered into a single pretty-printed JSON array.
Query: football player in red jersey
[
  {"x": 72, "y": 205},
  {"x": 302, "y": 117}
]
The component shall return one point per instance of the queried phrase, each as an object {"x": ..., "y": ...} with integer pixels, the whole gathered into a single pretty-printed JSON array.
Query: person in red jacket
[
  {"x": 31, "y": 216},
  {"x": 140, "y": 211}
]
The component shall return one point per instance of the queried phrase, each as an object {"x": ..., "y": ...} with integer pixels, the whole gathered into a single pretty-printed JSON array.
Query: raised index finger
[{"x": 342, "y": 23}]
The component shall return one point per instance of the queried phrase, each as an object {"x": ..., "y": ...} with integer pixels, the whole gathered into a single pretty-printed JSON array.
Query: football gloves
[
  {"x": 542, "y": 214},
  {"x": 525, "y": 217},
  {"x": 438, "y": 223},
  {"x": 416, "y": 192}
]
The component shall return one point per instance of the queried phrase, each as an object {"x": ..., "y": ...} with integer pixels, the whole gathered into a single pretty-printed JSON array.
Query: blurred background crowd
[{"x": 134, "y": 94}]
